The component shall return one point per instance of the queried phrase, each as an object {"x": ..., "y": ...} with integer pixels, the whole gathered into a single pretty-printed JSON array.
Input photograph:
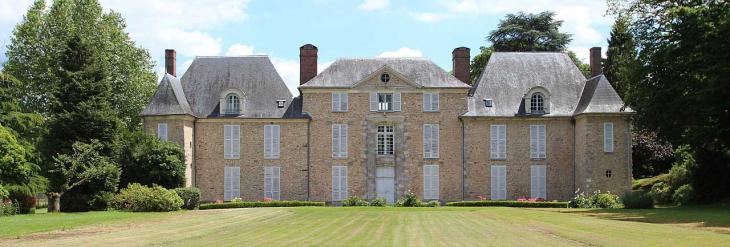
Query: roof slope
[
  {"x": 255, "y": 76},
  {"x": 347, "y": 72},
  {"x": 508, "y": 76},
  {"x": 599, "y": 97},
  {"x": 168, "y": 100}
]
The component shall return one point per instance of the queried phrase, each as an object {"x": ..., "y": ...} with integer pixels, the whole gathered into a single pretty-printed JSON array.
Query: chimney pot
[
  {"x": 460, "y": 60},
  {"x": 595, "y": 61},
  {"x": 307, "y": 63},
  {"x": 170, "y": 61}
]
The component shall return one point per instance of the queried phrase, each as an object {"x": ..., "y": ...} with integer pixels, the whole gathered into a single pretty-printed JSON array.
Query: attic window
[
  {"x": 385, "y": 77},
  {"x": 280, "y": 103},
  {"x": 537, "y": 103},
  {"x": 488, "y": 102},
  {"x": 233, "y": 104}
]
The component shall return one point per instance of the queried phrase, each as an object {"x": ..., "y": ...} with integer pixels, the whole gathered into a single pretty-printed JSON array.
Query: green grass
[
  {"x": 713, "y": 217},
  {"x": 646, "y": 183},
  {"x": 336, "y": 226}
]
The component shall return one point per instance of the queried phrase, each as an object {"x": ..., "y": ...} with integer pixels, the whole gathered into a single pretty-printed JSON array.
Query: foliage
[
  {"x": 7, "y": 209},
  {"x": 433, "y": 204},
  {"x": 637, "y": 199},
  {"x": 14, "y": 168},
  {"x": 620, "y": 56},
  {"x": 529, "y": 32},
  {"x": 683, "y": 194},
  {"x": 478, "y": 63},
  {"x": 26, "y": 127},
  {"x": 409, "y": 199},
  {"x": 647, "y": 183},
  {"x": 147, "y": 160},
  {"x": 650, "y": 155},
  {"x": 501, "y": 203},
  {"x": 261, "y": 204},
  {"x": 140, "y": 198},
  {"x": 584, "y": 69},
  {"x": 661, "y": 193},
  {"x": 596, "y": 200},
  {"x": 354, "y": 201},
  {"x": 190, "y": 197},
  {"x": 3, "y": 192},
  {"x": 37, "y": 46},
  {"x": 378, "y": 202}
]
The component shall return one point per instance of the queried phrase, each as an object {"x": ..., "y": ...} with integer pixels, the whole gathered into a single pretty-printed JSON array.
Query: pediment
[{"x": 396, "y": 80}]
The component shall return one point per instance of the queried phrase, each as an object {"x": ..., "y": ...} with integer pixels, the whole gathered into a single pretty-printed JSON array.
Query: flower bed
[
  {"x": 261, "y": 204},
  {"x": 517, "y": 204}
]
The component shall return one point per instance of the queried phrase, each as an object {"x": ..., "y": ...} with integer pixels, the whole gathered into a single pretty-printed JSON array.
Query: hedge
[
  {"x": 260, "y": 204},
  {"x": 516, "y": 204}
]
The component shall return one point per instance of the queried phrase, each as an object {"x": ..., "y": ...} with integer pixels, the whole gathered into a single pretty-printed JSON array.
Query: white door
[{"x": 385, "y": 183}]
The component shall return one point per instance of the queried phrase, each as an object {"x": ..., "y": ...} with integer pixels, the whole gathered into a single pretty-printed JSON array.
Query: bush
[
  {"x": 596, "y": 200},
  {"x": 647, "y": 183},
  {"x": 661, "y": 193},
  {"x": 147, "y": 160},
  {"x": 190, "y": 197},
  {"x": 378, "y": 202},
  {"x": 354, "y": 201},
  {"x": 8, "y": 208},
  {"x": 3, "y": 193},
  {"x": 261, "y": 204},
  {"x": 516, "y": 204},
  {"x": 637, "y": 199},
  {"x": 684, "y": 194},
  {"x": 433, "y": 204},
  {"x": 409, "y": 200},
  {"x": 140, "y": 198}
]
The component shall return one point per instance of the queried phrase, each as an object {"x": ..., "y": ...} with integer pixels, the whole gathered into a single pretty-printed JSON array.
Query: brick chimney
[
  {"x": 307, "y": 63},
  {"x": 460, "y": 60},
  {"x": 170, "y": 62},
  {"x": 595, "y": 61}
]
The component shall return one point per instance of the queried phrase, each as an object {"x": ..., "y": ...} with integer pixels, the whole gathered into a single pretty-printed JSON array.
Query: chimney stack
[
  {"x": 307, "y": 63},
  {"x": 595, "y": 61},
  {"x": 460, "y": 60},
  {"x": 170, "y": 62}
]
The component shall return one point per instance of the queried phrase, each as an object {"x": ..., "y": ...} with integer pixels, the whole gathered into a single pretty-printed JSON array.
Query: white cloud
[
  {"x": 428, "y": 17},
  {"x": 240, "y": 50},
  {"x": 370, "y": 5},
  {"x": 402, "y": 52},
  {"x": 289, "y": 71}
]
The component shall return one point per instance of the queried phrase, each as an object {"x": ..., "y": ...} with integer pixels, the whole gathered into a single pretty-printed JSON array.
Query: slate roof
[
  {"x": 346, "y": 72},
  {"x": 508, "y": 76},
  {"x": 168, "y": 100},
  {"x": 599, "y": 97},
  {"x": 255, "y": 76}
]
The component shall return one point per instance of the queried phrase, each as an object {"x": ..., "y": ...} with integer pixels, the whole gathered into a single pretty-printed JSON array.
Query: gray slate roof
[
  {"x": 599, "y": 97},
  {"x": 345, "y": 73},
  {"x": 508, "y": 76},
  {"x": 168, "y": 100},
  {"x": 208, "y": 77}
]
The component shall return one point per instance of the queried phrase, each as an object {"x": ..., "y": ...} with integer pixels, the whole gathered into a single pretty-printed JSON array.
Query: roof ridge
[{"x": 242, "y": 56}]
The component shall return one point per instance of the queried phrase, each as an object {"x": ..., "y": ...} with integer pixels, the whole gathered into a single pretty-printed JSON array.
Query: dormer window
[
  {"x": 537, "y": 103},
  {"x": 280, "y": 103},
  {"x": 233, "y": 104}
]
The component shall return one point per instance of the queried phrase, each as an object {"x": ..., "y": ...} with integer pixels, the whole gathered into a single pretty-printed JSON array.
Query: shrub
[
  {"x": 8, "y": 208},
  {"x": 3, "y": 193},
  {"x": 661, "y": 193},
  {"x": 237, "y": 199},
  {"x": 190, "y": 197},
  {"x": 147, "y": 160},
  {"x": 261, "y": 204},
  {"x": 517, "y": 204},
  {"x": 409, "y": 200},
  {"x": 433, "y": 204},
  {"x": 637, "y": 199},
  {"x": 378, "y": 202},
  {"x": 596, "y": 200},
  {"x": 354, "y": 201},
  {"x": 647, "y": 183},
  {"x": 140, "y": 198},
  {"x": 683, "y": 194}
]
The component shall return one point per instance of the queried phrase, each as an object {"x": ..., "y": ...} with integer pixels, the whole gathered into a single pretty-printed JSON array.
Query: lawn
[{"x": 330, "y": 226}]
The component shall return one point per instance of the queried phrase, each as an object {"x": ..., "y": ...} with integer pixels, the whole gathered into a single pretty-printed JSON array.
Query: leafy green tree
[
  {"x": 36, "y": 49},
  {"x": 621, "y": 56},
  {"x": 148, "y": 160},
  {"x": 14, "y": 168}
]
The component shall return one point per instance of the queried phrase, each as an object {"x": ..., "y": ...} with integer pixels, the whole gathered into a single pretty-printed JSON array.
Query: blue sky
[{"x": 357, "y": 28}]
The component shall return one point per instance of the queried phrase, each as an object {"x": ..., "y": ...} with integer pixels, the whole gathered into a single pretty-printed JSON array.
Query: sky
[{"x": 355, "y": 28}]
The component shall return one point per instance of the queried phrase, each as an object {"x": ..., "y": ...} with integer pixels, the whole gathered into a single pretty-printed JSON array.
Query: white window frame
[
  {"x": 394, "y": 105},
  {"x": 162, "y": 131},
  {"x": 538, "y": 136},
  {"x": 231, "y": 141},
  {"x": 272, "y": 140},
  {"x": 431, "y": 182},
  {"x": 498, "y": 182},
  {"x": 538, "y": 181},
  {"x": 340, "y": 102},
  {"x": 431, "y": 141},
  {"x": 386, "y": 140},
  {"x": 272, "y": 182},
  {"x": 339, "y": 140},
  {"x": 608, "y": 137},
  {"x": 498, "y": 144},
  {"x": 339, "y": 183},
  {"x": 431, "y": 102},
  {"x": 231, "y": 182}
]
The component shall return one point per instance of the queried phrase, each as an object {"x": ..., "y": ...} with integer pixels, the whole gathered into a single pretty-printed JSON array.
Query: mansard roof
[
  {"x": 168, "y": 100},
  {"x": 347, "y": 72},
  {"x": 208, "y": 77},
  {"x": 599, "y": 97}
]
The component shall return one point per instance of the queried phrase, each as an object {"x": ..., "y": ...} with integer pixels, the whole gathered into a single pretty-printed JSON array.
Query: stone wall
[
  {"x": 593, "y": 162},
  {"x": 180, "y": 130}
]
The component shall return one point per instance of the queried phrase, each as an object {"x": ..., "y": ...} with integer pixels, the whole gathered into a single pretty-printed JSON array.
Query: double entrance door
[{"x": 385, "y": 183}]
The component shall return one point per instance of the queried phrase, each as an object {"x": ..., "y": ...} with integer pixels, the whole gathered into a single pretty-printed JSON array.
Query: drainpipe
[
  {"x": 309, "y": 146},
  {"x": 573, "y": 122},
  {"x": 463, "y": 164}
]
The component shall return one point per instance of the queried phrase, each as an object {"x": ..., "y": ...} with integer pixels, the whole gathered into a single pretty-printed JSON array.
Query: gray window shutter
[
  {"x": 608, "y": 137},
  {"x": 533, "y": 141},
  {"x": 542, "y": 140},
  {"x": 435, "y": 102},
  {"x": 335, "y": 102},
  {"x": 426, "y": 102},
  {"x": 494, "y": 142},
  {"x": 434, "y": 141},
  {"x": 396, "y": 101},
  {"x": 227, "y": 141},
  {"x": 373, "y": 101},
  {"x": 276, "y": 140},
  {"x": 427, "y": 140},
  {"x": 344, "y": 104},
  {"x": 343, "y": 140},
  {"x": 267, "y": 141},
  {"x": 335, "y": 140},
  {"x": 235, "y": 141}
]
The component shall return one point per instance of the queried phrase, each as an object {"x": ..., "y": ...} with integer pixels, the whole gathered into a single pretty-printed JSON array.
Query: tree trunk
[{"x": 54, "y": 202}]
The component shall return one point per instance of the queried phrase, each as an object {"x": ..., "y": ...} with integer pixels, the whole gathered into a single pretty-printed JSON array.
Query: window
[
  {"x": 608, "y": 173},
  {"x": 280, "y": 103},
  {"x": 431, "y": 182},
  {"x": 233, "y": 104},
  {"x": 431, "y": 102},
  {"x": 339, "y": 140},
  {"x": 231, "y": 183},
  {"x": 162, "y": 131},
  {"x": 498, "y": 183},
  {"x": 537, "y": 181},
  {"x": 537, "y": 141},
  {"x": 608, "y": 137},
  {"x": 385, "y": 140},
  {"x": 385, "y": 102},
  {"x": 430, "y": 141},
  {"x": 537, "y": 103},
  {"x": 498, "y": 145},
  {"x": 385, "y": 77},
  {"x": 271, "y": 182},
  {"x": 339, "y": 102},
  {"x": 339, "y": 183},
  {"x": 271, "y": 141},
  {"x": 232, "y": 141}
]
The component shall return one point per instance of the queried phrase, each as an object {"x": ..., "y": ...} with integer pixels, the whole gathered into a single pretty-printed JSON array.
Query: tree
[
  {"x": 85, "y": 165},
  {"x": 621, "y": 56},
  {"x": 38, "y": 42},
  {"x": 529, "y": 32},
  {"x": 478, "y": 63},
  {"x": 14, "y": 168},
  {"x": 148, "y": 160}
]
